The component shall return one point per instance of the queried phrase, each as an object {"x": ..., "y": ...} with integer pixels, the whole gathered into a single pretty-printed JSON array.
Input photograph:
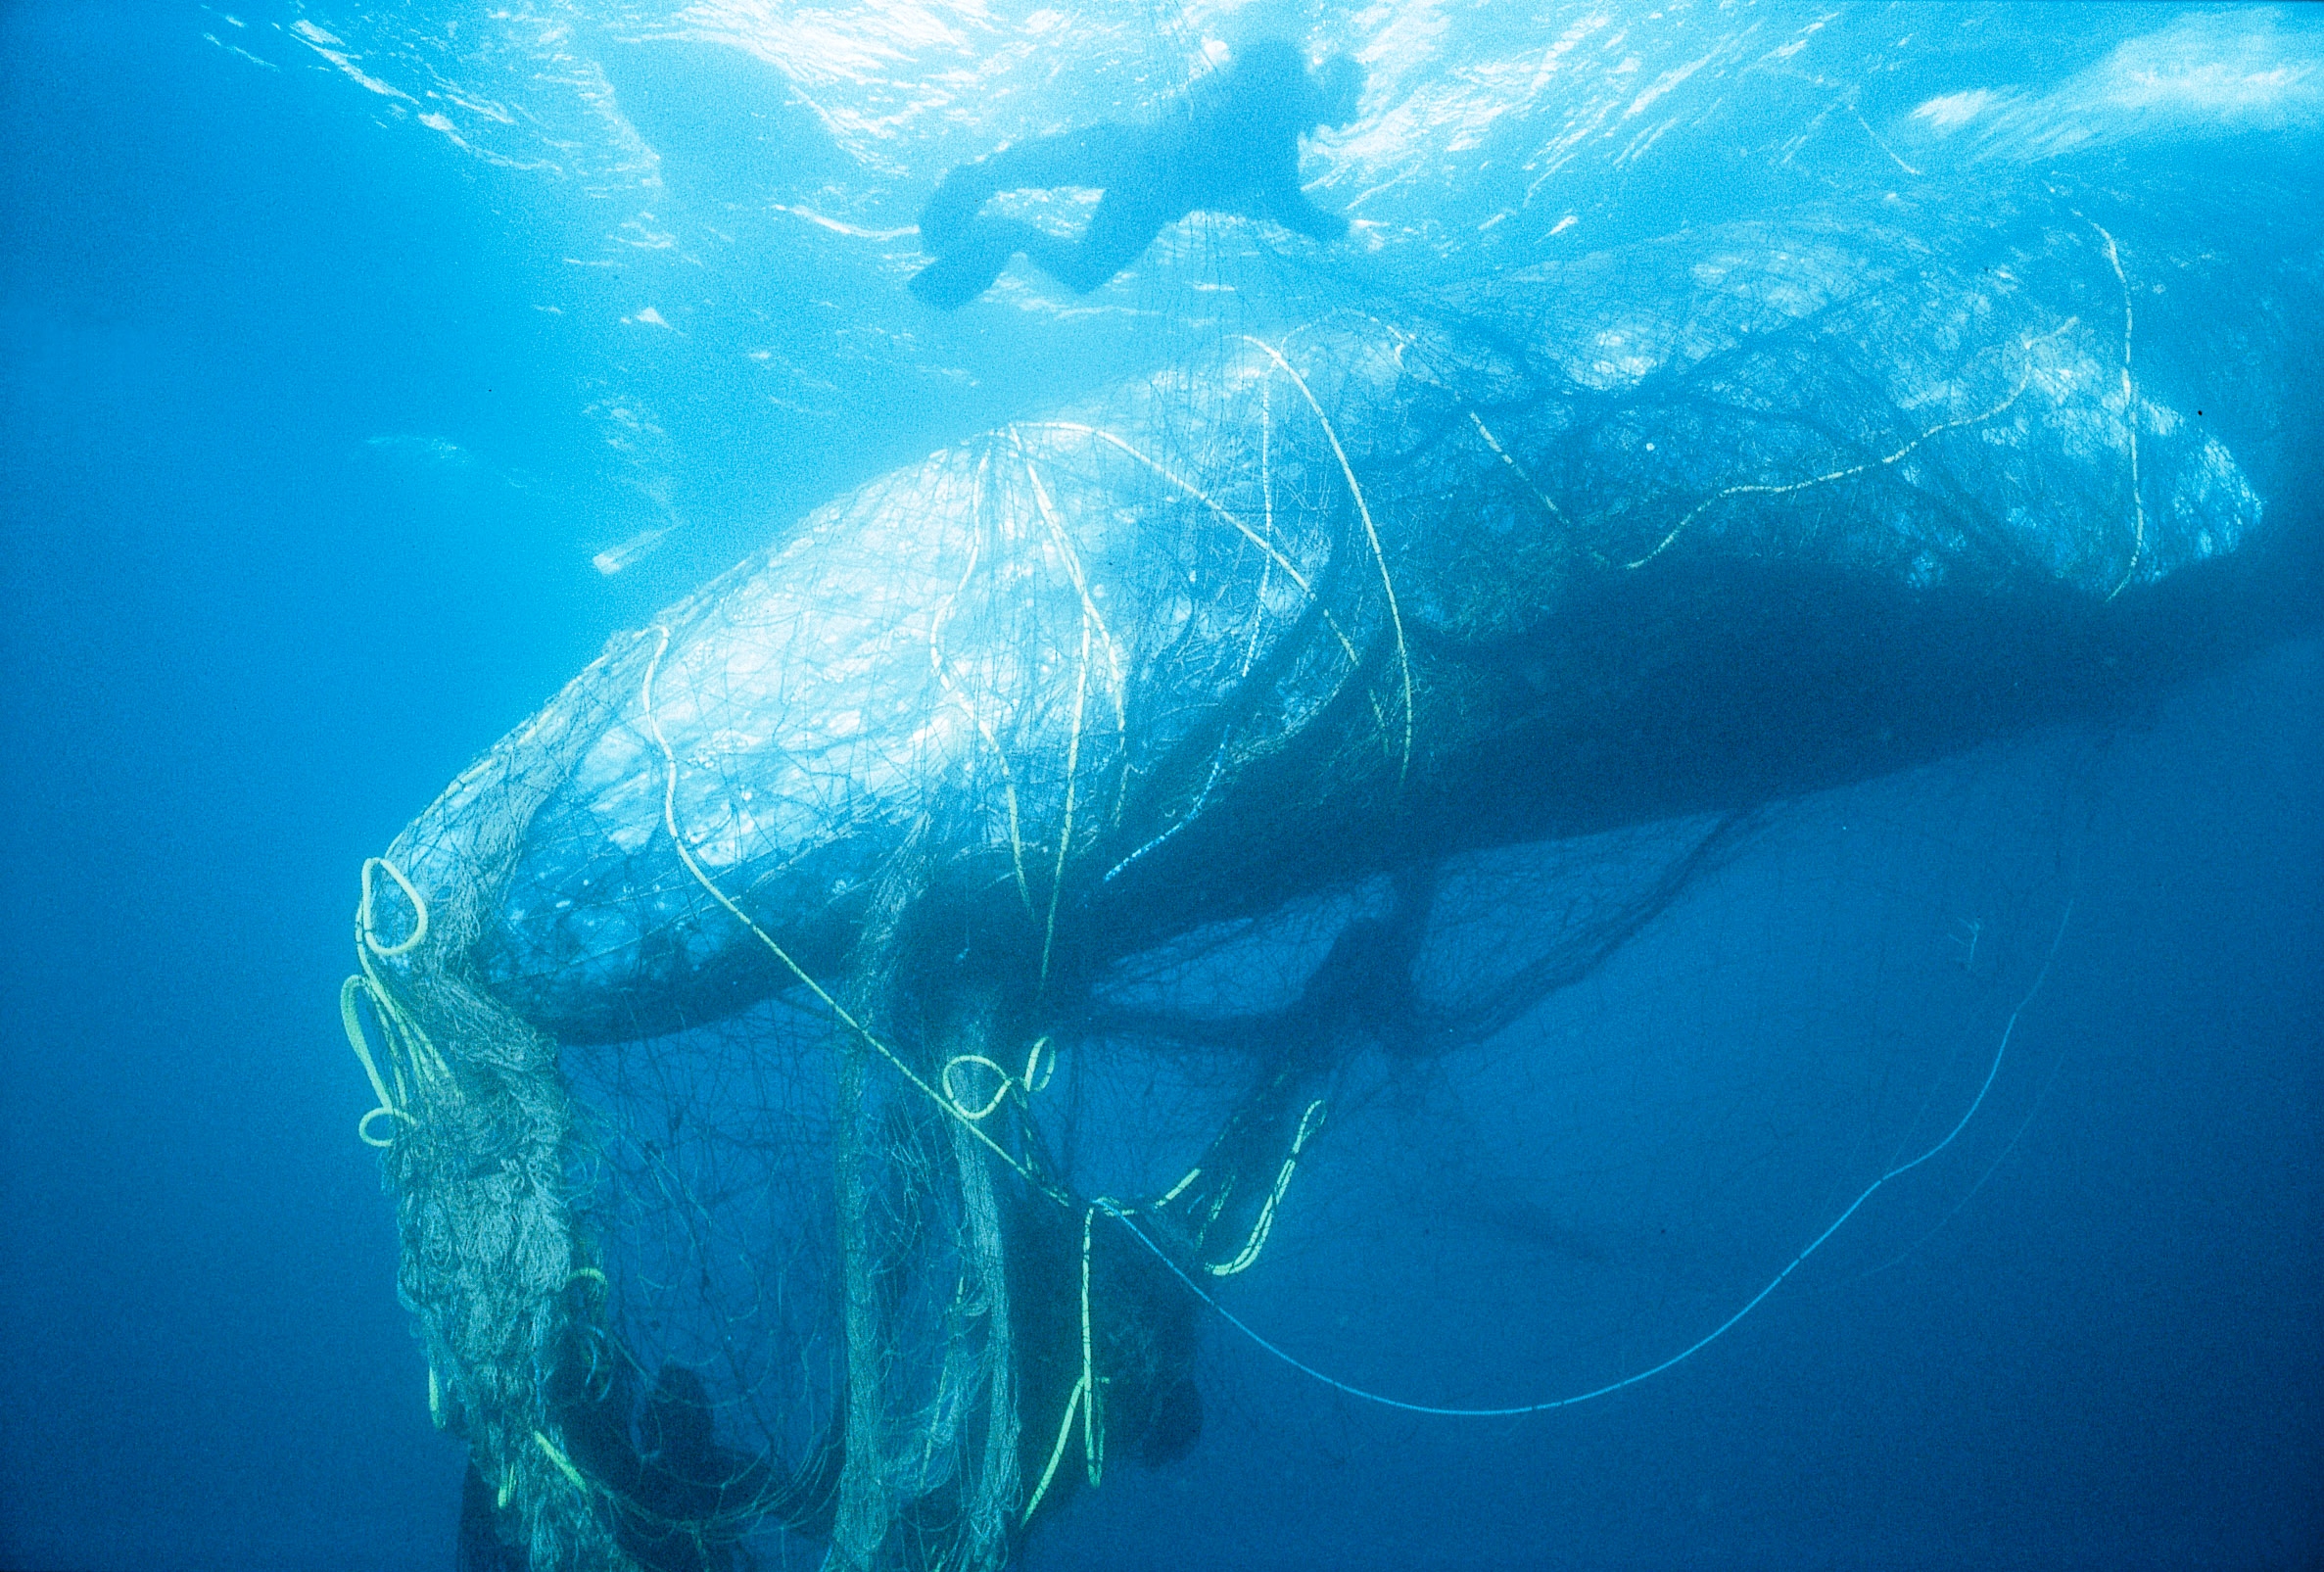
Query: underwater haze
[{"x": 1648, "y": 830}]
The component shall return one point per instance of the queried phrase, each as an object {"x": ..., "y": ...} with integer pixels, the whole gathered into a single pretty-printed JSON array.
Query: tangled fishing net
[{"x": 758, "y": 1031}]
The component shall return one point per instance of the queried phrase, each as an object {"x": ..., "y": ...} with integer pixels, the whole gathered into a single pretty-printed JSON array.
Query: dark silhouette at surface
[{"x": 1228, "y": 144}]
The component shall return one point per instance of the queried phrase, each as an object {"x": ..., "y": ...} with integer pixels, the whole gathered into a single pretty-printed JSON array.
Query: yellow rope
[
  {"x": 2138, "y": 538},
  {"x": 806, "y": 978},
  {"x": 1083, "y": 1400},
  {"x": 564, "y": 1463},
  {"x": 1516, "y": 468},
  {"x": 960, "y": 1105},
  {"x": 1218, "y": 511},
  {"x": 1064, "y": 1433},
  {"x": 1037, "y": 1071},
  {"x": 1309, "y": 1123},
  {"x": 1364, "y": 509},
  {"x": 1065, "y": 836},
  {"x": 404, "y": 1042},
  {"x": 352, "y": 1022},
  {"x": 1093, "y": 1430},
  {"x": 937, "y": 663},
  {"x": 419, "y": 908},
  {"x": 1080, "y": 580},
  {"x": 1980, "y": 418}
]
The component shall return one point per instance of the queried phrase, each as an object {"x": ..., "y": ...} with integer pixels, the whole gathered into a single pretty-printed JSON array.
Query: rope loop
[
  {"x": 413, "y": 1063},
  {"x": 392, "y": 1099},
  {"x": 1001, "y": 1085},
  {"x": 369, "y": 933},
  {"x": 381, "y": 1142},
  {"x": 1040, "y": 1063}
]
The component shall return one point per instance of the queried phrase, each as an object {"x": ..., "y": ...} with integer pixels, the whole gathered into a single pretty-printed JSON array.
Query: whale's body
[{"x": 1719, "y": 517}]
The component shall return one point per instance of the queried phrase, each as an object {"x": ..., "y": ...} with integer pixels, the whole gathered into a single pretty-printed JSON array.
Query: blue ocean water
[{"x": 366, "y": 371}]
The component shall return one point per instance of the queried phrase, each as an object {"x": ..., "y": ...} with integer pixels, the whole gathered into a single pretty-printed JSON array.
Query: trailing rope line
[{"x": 1699, "y": 1344}]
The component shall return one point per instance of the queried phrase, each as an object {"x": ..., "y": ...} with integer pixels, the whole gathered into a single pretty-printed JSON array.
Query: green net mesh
[{"x": 740, "y": 1024}]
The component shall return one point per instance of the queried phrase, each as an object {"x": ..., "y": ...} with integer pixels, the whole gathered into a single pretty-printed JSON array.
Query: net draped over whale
[{"x": 733, "y": 1022}]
